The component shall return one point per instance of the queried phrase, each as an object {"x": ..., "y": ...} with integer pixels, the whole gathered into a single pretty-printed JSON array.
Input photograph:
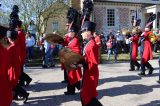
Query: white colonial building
[{"x": 118, "y": 14}]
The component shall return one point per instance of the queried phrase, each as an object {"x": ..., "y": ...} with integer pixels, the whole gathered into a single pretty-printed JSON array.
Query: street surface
[{"x": 117, "y": 87}]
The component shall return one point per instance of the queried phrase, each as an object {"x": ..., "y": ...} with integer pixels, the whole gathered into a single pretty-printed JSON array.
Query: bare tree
[{"x": 38, "y": 10}]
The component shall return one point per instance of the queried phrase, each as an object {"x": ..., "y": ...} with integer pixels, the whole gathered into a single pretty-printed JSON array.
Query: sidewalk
[{"x": 117, "y": 87}]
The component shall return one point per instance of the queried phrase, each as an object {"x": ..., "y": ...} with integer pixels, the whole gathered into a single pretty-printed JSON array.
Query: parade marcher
[
  {"x": 14, "y": 53},
  {"x": 90, "y": 76},
  {"x": 134, "y": 49},
  {"x": 74, "y": 75},
  {"x": 98, "y": 42},
  {"x": 8, "y": 78},
  {"x": 147, "y": 52},
  {"x": 22, "y": 45},
  {"x": 14, "y": 61}
]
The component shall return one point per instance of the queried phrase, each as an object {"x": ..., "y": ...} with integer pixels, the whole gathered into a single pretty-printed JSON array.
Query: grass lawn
[{"x": 125, "y": 57}]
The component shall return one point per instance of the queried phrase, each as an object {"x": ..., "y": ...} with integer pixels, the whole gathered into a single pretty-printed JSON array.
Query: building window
[
  {"x": 110, "y": 17},
  {"x": 55, "y": 26}
]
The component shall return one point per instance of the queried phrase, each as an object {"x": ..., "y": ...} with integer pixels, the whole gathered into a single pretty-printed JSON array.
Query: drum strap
[{"x": 84, "y": 49}]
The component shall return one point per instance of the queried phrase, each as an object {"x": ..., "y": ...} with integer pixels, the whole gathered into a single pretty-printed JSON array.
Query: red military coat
[
  {"x": 147, "y": 52},
  {"x": 14, "y": 62},
  {"x": 74, "y": 75},
  {"x": 6, "y": 86},
  {"x": 134, "y": 48},
  {"x": 91, "y": 74},
  {"x": 21, "y": 42}
]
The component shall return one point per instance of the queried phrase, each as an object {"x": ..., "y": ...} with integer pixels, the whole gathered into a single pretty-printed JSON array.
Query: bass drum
[{"x": 67, "y": 57}]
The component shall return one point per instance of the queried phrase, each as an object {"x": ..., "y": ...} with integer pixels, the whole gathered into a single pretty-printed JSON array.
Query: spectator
[
  {"x": 112, "y": 47},
  {"x": 127, "y": 43},
  {"x": 110, "y": 34},
  {"x": 29, "y": 44},
  {"x": 32, "y": 29},
  {"x": 120, "y": 41},
  {"x": 103, "y": 41},
  {"x": 48, "y": 61}
]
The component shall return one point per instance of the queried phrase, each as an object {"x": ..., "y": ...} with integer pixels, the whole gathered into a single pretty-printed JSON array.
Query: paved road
[{"x": 117, "y": 87}]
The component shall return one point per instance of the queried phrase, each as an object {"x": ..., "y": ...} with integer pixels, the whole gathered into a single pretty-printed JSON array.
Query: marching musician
[
  {"x": 74, "y": 75},
  {"x": 147, "y": 52},
  {"x": 7, "y": 78},
  {"x": 134, "y": 49},
  {"x": 91, "y": 74}
]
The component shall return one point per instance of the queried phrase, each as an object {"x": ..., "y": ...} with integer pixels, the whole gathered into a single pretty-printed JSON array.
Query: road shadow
[
  {"x": 138, "y": 89},
  {"x": 55, "y": 100},
  {"x": 38, "y": 87},
  {"x": 152, "y": 103},
  {"x": 120, "y": 79}
]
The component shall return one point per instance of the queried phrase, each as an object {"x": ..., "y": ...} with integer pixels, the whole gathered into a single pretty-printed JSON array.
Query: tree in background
[{"x": 37, "y": 10}]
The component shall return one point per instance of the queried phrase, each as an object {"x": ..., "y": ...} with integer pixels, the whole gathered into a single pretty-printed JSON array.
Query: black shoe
[
  {"x": 64, "y": 81},
  {"x": 78, "y": 85},
  {"x": 15, "y": 97},
  {"x": 26, "y": 98},
  {"x": 94, "y": 102},
  {"x": 131, "y": 69},
  {"x": 52, "y": 65},
  {"x": 138, "y": 67},
  {"x": 150, "y": 71},
  {"x": 69, "y": 93},
  {"x": 158, "y": 81},
  {"x": 44, "y": 66},
  {"x": 142, "y": 74},
  {"x": 28, "y": 82}
]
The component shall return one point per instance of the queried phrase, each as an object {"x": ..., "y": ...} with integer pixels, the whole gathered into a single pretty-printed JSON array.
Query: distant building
[
  {"x": 111, "y": 14},
  {"x": 118, "y": 14},
  {"x": 58, "y": 22}
]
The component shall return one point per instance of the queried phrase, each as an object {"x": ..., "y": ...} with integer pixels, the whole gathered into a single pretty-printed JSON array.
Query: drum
[
  {"x": 68, "y": 57},
  {"x": 53, "y": 39}
]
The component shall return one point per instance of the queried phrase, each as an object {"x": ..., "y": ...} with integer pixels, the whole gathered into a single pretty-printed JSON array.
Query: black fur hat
[
  {"x": 13, "y": 17},
  {"x": 74, "y": 29},
  {"x": 3, "y": 31},
  {"x": 87, "y": 9},
  {"x": 88, "y": 26},
  {"x": 72, "y": 15}
]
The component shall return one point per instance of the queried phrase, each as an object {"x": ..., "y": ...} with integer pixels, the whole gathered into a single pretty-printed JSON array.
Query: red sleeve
[
  {"x": 75, "y": 46},
  {"x": 66, "y": 41},
  {"x": 93, "y": 58},
  {"x": 22, "y": 46},
  {"x": 15, "y": 67}
]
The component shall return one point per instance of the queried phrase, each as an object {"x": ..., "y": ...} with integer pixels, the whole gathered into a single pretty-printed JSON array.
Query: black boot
[
  {"x": 148, "y": 65},
  {"x": 131, "y": 66},
  {"x": 70, "y": 90},
  {"x": 65, "y": 77},
  {"x": 78, "y": 85},
  {"x": 138, "y": 65},
  {"x": 26, "y": 98},
  {"x": 94, "y": 102},
  {"x": 20, "y": 91},
  {"x": 142, "y": 73}
]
